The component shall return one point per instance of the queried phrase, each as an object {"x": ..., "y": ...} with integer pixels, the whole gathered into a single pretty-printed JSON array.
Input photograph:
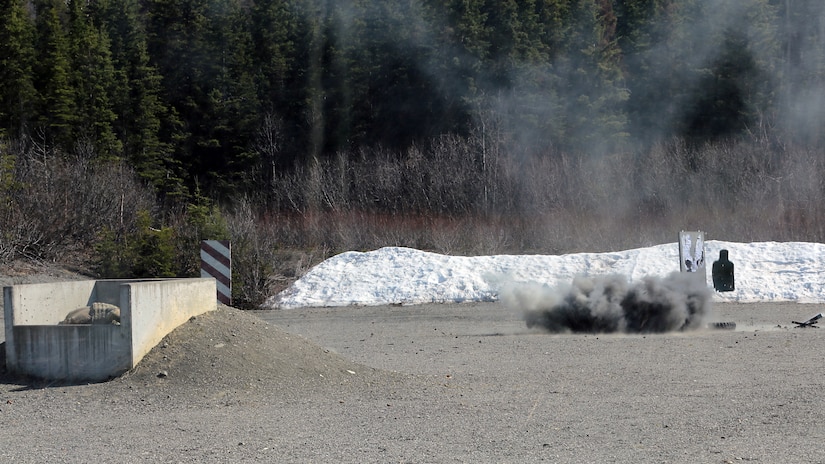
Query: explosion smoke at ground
[{"x": 610, "y": 303}]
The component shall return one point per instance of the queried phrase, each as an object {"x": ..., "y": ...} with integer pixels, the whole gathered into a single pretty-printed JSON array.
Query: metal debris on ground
[{"x": 810, "y": 322}]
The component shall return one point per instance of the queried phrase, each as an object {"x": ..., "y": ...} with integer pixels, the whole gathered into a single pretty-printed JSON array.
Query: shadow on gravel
[{"x": 9, "y": 379}]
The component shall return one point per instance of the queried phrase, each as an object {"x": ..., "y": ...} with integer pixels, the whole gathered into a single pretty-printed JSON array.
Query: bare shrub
[
  {"x": 468, "y": 184},
  {"x": 800, "y": 186},
  {"x": 252, "y": 257},
  {"x": 58, "y": 205},
  {"x": 456, "y": 195},
  {"x": 268, "y": 252},
  {"x": 268, "y": 144}
]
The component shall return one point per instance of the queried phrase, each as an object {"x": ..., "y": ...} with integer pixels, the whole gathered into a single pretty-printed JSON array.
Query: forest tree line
[{"x": 225, "y": 96}]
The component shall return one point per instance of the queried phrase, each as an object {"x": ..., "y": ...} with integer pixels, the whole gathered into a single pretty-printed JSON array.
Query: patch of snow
[{"x": 764, "y": 271}]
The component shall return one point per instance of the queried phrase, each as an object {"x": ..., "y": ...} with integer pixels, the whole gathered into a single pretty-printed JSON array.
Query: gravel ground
[{"x": 437, "y": 383}]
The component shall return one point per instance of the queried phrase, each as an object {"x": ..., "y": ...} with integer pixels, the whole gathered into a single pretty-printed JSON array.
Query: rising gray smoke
[{"x": 610, "y": 303}]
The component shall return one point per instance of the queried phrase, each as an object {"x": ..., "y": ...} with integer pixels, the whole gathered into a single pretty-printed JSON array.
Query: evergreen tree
[
  {"x": 232, "y": 111},
  {"x": 732, "y": 88},
  {"x": 274, "y": 29},
  {"x": 203, "y": 50},
  {"x": 515, "y": 38},
  {"x": 593, "y": 90},
  {"x": 17, "y": 93},
  {"x": 92, "y": 77},
  {"x": 284, "y": 37},
  {"x": 469, "y": 44},
  {"x": 521, "y": 83},
  {"x": 801, "y": 39},
  {"x": 344, "y": 50},
  {"x": 552, "y": 25},
  {"x": 459, "y": 52},
  {"x": 309, "y": 96},
  {"x": 681, "y": 59},
  {"x": 143, "y": 123},
  {"x": 720, "y": 108},
  {"x": 175, "y": 41},
  {"x": 647, "y": 36},
  {"x": 56, "y": 102},
  {"x": 394, "y": 99}
]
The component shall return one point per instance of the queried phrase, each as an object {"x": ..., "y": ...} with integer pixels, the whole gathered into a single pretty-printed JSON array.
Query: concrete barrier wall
[
  {"x": 150, "y": 309},
  {"x": 39, "y": 304},
  {"x": 158, "y": 307},
  {"x": 72, "y": 352},
  {"x": 46, "y": 304}
]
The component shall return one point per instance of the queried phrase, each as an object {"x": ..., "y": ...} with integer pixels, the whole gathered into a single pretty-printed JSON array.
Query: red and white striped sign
[{"x": 216, "y": 261}]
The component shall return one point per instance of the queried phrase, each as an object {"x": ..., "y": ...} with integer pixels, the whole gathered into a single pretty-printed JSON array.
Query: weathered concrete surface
[
  {"x": 158, "y": 307},
  {"x": 149, "y": 309},
  {"x": 71, "y": 352},
  {"x": 47, "y": 303}
]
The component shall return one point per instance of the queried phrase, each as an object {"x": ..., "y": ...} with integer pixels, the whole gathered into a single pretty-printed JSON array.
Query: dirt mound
[{"x": 228, "y": 352}]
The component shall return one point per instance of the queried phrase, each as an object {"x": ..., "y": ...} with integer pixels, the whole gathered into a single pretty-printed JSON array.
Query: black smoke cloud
[{"x": 611, "y": 303}]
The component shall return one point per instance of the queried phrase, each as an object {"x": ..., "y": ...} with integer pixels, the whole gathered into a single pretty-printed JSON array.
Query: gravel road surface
[{"x": 438, "y": 383}]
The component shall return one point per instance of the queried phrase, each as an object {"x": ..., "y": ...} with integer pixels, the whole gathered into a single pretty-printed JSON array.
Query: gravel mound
[
  {"x": 219, "y": 353},
  {"x": 228, "y": 351},
  {"x": 227, "y": 354}
]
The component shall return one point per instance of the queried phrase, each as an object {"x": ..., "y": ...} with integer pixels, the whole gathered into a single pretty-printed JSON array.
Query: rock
[
  {"x": 104, "y": 313},
  {"x": 97, "y": 313},
  {"x": 78, "y": 316}
]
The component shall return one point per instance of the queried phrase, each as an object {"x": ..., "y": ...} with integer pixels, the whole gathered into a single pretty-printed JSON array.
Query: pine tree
[
  {"x": 175, "y": 31},
  {"x": 594, "y": 91},
  {"x": 281, "y": 80},
  {"x": 515, "y": 38},
  {"x": 646, "y": 31},
  {"x": 801, "y": 31},
  {"x": 92, "y": 77},
  {"x": 730, "y": 91},
  {"x": 520, "y": 85},
  {"x": 393, "y": 100},
  {"x": 56, "y": 96},
  {"x": 203, "y": 50},
  {"x": 232, "y": 106},
  {"x": 470, "y": 41},
  {"x": 17, "y": 94},
  {"x": 273, "y": 29},
  {"x": 143, "y": 121},
  {"x": 457, "y": 58}
]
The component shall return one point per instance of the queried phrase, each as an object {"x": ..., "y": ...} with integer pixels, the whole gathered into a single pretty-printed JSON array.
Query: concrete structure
[{"x": 149, "y": 309}]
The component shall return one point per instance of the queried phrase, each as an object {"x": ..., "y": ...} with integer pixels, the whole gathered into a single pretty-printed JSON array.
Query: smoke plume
[{"x": 610, "y": 303}]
